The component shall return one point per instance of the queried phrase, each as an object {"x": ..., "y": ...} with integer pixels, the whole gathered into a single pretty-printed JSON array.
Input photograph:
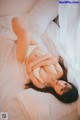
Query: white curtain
[{"x": 68, "y": 42}]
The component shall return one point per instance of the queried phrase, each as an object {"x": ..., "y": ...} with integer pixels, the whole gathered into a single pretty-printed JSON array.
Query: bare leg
[
  {"x": 20, "y": 29},
  {"x": 23, "y": 38},
  {"x": 18, "y": 26}
]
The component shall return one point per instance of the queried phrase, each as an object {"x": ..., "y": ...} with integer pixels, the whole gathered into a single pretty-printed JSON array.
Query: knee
[{"x": 15, "y": 20}]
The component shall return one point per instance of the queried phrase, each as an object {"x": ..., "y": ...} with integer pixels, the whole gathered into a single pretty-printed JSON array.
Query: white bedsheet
[{"x": 13, "y": 78}]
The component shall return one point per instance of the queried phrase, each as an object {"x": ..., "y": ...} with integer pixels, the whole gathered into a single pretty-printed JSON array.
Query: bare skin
[{"x": 36, "y": 59}]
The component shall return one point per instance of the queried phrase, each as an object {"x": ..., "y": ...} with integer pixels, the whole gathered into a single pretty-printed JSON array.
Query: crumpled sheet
[
  {"x": 12, "y": 75},
  {"x": 12, "y": 78}
]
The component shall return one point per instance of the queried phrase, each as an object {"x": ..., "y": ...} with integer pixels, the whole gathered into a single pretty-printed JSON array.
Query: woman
[{"x": 44, "y": 71}]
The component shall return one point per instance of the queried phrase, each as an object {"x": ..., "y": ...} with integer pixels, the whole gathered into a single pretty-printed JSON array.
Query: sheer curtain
[{"x": 68, "y": 42}]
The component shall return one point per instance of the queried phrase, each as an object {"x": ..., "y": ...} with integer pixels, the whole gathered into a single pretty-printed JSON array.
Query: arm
[
  {"x": 51, "y": 71},
  {"x": 46, "y": 76},
  {"x": 55, "y": 70},
  {"x": 35, "y": 81},
  {"x": 30, "y": 65},
  {"x": 51, "y": 66}
]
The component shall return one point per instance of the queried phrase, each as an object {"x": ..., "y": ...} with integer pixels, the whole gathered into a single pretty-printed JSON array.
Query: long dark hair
[{"x": 67, "y": 97}]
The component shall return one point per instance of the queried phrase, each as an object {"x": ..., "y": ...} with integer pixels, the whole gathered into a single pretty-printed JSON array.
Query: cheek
[
  {"x": 58, "y": 91},
  {"x": 56, "y": 88}
]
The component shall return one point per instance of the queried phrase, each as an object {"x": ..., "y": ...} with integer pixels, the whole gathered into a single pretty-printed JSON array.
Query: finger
[
  {"x": 43, "y": 63},
  {"x": 40, "y": 59}
]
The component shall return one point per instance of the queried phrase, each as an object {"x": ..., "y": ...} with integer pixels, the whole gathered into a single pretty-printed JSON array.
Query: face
[{"x": 61, "y": 86}]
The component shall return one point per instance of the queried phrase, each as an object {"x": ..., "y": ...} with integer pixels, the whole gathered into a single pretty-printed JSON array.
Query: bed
[{"x": 20, "y": 104}]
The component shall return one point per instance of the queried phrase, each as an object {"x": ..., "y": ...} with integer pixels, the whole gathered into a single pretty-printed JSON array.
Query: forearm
[
  {"x": 53, "y": 69},
  {"x": 37, "y": 63},
  {"x": 35, "y": 81},
  {"x": 41, "y": 64},
  {"x": 40, "y": 59}
]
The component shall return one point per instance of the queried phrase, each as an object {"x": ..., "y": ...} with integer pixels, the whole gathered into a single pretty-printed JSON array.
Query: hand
[
  {"x": 37, "y": 61},
  {"x": 35, "y": 81},
  {"x": 49, "y": 68}
]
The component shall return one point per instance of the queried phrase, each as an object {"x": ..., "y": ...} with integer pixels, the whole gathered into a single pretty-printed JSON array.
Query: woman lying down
[{"x": 46, "y": 73}]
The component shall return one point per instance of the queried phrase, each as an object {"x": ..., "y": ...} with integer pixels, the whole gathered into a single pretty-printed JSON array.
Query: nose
[{"x": 63, "y": 84}]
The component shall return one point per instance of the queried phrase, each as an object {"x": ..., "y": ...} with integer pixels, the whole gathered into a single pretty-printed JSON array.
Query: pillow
[
  {"x": 42, "y": 14},
  {"x": 10, "y": 9},
  {"x": 43, "y": 106},
  {"x": 49, "y": 38},
  {"x": 14, "y": 6}
]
